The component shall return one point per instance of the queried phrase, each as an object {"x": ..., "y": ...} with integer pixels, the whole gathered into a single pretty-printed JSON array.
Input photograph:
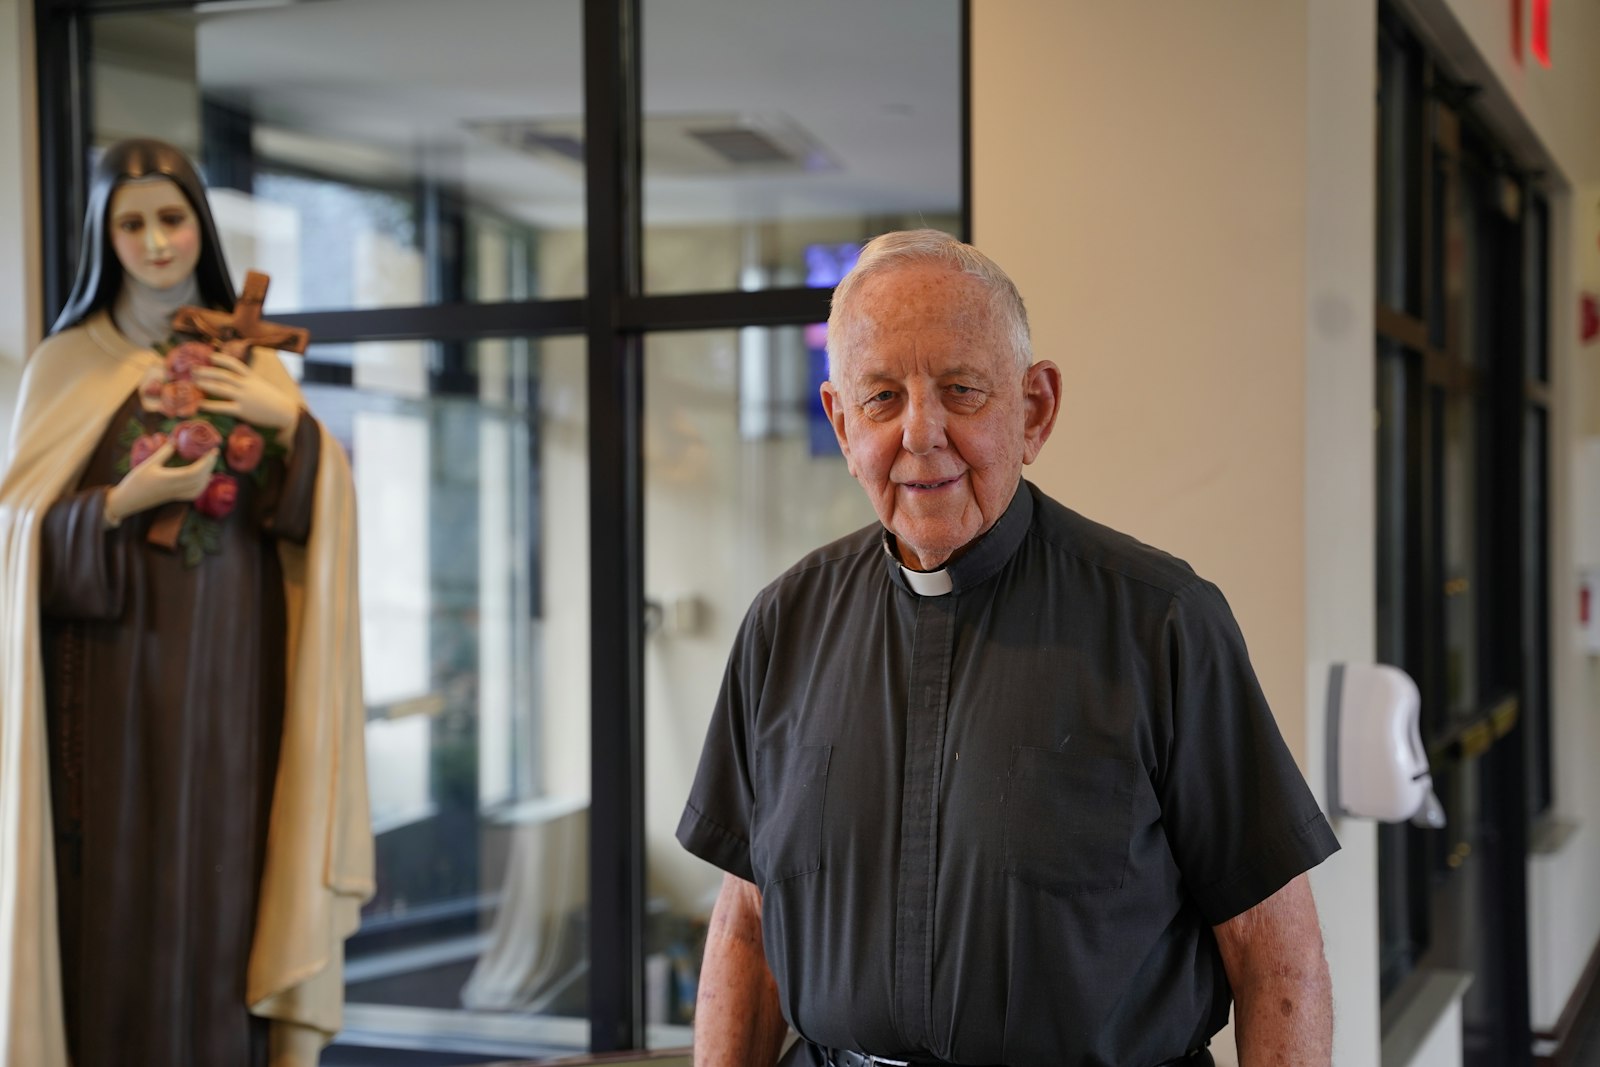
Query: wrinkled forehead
[{"x": 931, "y": 304}]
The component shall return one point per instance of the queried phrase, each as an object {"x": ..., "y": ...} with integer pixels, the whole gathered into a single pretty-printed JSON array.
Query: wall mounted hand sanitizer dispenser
[{"x": 1377, "y": 767}]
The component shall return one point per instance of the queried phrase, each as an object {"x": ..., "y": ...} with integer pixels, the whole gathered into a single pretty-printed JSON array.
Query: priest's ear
[
  {"x": 833, "y": 407},
  {"x": 1041, "y": 400}
]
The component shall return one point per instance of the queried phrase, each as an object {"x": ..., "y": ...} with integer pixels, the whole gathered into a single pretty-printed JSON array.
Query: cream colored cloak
[{"x": 319, "y": 864}]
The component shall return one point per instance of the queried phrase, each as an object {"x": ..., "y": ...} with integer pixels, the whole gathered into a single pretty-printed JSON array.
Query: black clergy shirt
[{"x": 996, "y": 826}]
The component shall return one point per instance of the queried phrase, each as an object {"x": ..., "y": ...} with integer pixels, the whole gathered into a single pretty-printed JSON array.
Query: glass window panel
[
  {"x": 471, "y": 471},
  {"x": 1537, "y": 274},
  {"x": 1396, "y": 514},
  {"x": 1460, "y": 475},
  {"x": 355, "y": 179},
  {"x": 742, "y": 478},
  {"x": 1398, "y": 129},
  {"x": 1536, "y": 607},
  {"x": 771, "y": 129}
]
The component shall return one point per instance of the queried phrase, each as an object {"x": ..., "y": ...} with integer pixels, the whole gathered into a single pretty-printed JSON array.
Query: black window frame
[
  {"x": 1435, "y": 149},
  {"x": 613, "y": 315}
]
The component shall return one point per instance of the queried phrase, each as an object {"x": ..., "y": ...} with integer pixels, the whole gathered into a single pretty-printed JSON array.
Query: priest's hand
[
  {"x": 236, "y": 389},
  {"x": 153, "y": 483}
]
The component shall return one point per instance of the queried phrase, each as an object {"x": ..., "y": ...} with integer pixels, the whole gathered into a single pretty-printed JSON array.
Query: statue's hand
[
  {"x": 237, "y": 390},
  {"x": 152, "y": 483}
]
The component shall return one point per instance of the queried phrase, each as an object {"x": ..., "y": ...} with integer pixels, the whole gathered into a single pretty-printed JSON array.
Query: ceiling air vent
[
  {"x": 679, "y": 145},
  {"x": 742, "y": 146}
]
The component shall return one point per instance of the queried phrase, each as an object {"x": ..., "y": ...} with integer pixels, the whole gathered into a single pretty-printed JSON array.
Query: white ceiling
[{"x": 394, "y": 84}]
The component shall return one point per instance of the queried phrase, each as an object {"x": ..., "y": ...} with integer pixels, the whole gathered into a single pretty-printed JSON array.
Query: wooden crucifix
[{"x": 236, "y": 332}]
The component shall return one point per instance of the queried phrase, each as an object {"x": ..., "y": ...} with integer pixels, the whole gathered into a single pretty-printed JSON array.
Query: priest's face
[
  {"x": 933, "y": 410},
  {"x": 154, "y": 232}
]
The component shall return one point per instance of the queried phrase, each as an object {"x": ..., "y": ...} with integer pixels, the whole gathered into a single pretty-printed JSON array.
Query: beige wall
[
  {"x": 1201, "y": 267},
  {"x": 1141, "y": 173},
  {"x": 19, "y": 204}
]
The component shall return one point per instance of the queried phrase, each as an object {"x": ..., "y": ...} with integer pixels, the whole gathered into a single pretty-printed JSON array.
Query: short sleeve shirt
[{"x": 996, "y": 826}]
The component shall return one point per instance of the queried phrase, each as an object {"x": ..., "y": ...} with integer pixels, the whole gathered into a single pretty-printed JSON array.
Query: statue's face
[{"x": 154, "y": 232}]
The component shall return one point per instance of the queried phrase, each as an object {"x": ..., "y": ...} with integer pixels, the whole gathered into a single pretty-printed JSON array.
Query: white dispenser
[{"x": 1377, "y": 767}]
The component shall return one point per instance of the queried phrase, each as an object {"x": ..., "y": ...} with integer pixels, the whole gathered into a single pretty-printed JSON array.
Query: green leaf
[
  {"x": 130, "y": 433},
  {"x": 124, "y": 465},
  {"x": 192, "y": 555},
  {"x": 209, "y": 534}
]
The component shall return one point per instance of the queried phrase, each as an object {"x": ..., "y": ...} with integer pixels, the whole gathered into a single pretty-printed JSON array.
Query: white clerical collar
[{"x": 928, "y": 583}]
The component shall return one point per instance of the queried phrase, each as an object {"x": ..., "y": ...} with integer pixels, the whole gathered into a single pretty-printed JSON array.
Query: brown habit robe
[
  {"x": 318, "y": 856},
  {"x": 164, "y": 692}
]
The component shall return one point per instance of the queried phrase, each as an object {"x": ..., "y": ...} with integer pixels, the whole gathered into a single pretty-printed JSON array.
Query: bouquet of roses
[{"x": 171, "y": 391}]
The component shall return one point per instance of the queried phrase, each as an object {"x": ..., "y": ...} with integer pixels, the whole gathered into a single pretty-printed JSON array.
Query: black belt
[{"x": 835, "y": 1057}]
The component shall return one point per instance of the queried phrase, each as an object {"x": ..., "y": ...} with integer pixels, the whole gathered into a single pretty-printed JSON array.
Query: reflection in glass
[
  {"x": 1536, "y": 607},
  {"x": 1460, "y": 472},
  {"x": 1397, "y": 124},
  {"x": 742, "y": 478},
  {"x": 1395, "y": 512},
  {"x": 773, "y": 128},
  {"x": 474, "y": 563},
  {"x": 354, "y": 180}
]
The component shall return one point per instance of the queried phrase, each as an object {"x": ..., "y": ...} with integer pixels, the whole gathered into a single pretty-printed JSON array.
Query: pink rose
[
  {"x": 219, "y": 497},
  {"x": 245, "y": 447},
  {"x": 180, "y": 400},
  {"x": 182, "y": 360},
  {"x": 150, "y": 387},
  {"x": 145, "y": 447},
  {"x": 195, "y": 438}
]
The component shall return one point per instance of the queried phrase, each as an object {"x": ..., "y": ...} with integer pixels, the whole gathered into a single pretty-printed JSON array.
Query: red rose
[
  {"x": 182, "y": 360},
  {"x": 144, "y": 447},
  {"x": 219, "y": 497},
  {"x": 180, "y": 400},
  {"x": 150, "y": 386},
  {"x": 195, "y": 438},
  {"x": 244, "y": 448}
]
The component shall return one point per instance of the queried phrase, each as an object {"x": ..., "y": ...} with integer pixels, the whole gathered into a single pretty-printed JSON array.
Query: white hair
[{"x": 904, "y": 248}]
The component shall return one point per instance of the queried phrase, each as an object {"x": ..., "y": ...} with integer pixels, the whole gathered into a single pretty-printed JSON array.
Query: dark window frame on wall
[
  {"x": 1463, "y": 366},
  {"x": 614, "y": 315}
]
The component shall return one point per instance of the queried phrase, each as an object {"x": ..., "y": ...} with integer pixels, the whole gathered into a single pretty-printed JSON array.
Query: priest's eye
[
  {"x": 882, "y": 397},
  {"x": 961, "y": 390}
]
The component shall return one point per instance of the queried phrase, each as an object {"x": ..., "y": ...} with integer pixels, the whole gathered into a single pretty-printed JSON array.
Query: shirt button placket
[{"x": 919, "y": 816}]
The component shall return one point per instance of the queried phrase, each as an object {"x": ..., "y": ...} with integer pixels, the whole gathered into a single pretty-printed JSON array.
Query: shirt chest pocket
[
  {"x": 1068, "y": 820},
  {"x": 791, "y": 783}
]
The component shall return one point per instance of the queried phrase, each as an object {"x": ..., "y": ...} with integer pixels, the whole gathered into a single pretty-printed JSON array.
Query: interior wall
[
  {"x": 1563, "y": 914},
  {"x": 1547, "y": 111},
  {"x": 1141, "y": 173},
  {"x": 1340, "y": 497},
  {"x": 1200, "y": 265},
  {"x": 20, "y": 328}
]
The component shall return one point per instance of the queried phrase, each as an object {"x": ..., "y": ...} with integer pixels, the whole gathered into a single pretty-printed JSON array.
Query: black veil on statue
[{"x": 99, "y": 277}]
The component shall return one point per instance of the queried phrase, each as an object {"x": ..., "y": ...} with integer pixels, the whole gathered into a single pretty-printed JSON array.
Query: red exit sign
[{"x": 1538, "y": 31}]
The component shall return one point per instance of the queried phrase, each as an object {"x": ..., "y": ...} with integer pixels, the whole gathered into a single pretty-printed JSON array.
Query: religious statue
[{"x": 184, "y": 837}]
